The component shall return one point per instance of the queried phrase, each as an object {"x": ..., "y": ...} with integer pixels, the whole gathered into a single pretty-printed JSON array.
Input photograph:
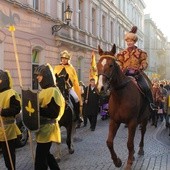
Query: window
[
  {"x": 103, "y": 27},
  {"x": 36, "y": 4},
  {"x": 47, "y": 6},
  {"x": 81, "y": 14},
  {"x": 63, "y": 10},
  {"x": 35, "y": 64},
  {"x": 93, "y": 21},
  {"x": 79, "y": 66},
  {"x": 111, "y": 32}
]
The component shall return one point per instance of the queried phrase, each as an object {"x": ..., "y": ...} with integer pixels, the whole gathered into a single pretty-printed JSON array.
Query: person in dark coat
[{"x": 91, "y": 103}]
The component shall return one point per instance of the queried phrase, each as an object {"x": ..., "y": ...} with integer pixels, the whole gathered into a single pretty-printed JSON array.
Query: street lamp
[{"x": 67, "y": 15}]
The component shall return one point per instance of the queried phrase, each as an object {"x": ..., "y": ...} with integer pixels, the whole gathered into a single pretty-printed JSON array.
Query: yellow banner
[{"x": 93, "y": 67}]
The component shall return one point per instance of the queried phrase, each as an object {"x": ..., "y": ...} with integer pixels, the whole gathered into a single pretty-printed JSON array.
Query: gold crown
[{"x": 65, "y": 54}]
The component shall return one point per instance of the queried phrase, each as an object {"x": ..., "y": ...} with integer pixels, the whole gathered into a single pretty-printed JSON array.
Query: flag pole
[{"x": 12, "y": 30}]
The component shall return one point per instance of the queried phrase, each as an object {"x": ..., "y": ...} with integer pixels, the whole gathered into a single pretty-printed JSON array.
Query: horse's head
[
  {"x": 107, "y": 69},
  {"x": 62, "y": 82}
]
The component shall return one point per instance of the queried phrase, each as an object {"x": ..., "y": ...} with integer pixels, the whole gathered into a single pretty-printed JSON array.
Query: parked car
[{"x": 23, "y": 138}]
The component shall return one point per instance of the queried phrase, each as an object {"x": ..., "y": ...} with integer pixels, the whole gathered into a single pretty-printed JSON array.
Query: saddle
[
  {"x": 136, "y": 84},
  {"x": 140, "y": 80}
]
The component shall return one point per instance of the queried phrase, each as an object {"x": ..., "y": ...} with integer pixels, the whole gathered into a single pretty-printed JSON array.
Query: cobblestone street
[{"x": 91, "y": 152}]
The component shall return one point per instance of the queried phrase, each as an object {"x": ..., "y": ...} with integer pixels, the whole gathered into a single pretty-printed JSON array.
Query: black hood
[
  {"x": 48, "y": 78},
  {"x": 5, "y": 84}
]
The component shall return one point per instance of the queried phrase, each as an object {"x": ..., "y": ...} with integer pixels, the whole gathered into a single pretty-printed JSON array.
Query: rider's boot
[
  {"x": 77, "y": 113},
  {"x": 150, "y": 100},
  {"x": 146, "y": 90}
]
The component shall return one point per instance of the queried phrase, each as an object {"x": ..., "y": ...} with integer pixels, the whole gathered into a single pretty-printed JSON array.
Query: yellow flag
[{"x": 93, "y": 67}]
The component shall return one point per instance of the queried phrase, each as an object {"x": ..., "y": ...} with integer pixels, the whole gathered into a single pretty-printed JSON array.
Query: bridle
[{"x": 109, "y": 79}]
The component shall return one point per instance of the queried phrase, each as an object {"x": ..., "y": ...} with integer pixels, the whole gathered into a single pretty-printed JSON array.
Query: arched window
[{"x": 35, "y": 64}]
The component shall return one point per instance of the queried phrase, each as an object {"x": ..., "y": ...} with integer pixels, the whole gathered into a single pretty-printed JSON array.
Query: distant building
[
  {"x": 167, "y": 62},
  {"x": 155, "y": 45}
]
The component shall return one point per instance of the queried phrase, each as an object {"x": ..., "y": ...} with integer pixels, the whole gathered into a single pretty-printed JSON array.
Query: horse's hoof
[
  {"x": 128, "y": 167},
  {"x": 71, "y": 151},
  {"x": 58, "y": 159},
  {"x": 141, "y": 152},
  {"x": 118, "y": 163}
]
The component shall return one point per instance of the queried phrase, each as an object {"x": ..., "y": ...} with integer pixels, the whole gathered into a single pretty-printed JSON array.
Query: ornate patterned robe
[{"x": 132, "y": 58}]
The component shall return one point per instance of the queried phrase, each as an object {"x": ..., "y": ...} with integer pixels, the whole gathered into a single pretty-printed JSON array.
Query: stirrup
[{"x": 153, "y": 106}]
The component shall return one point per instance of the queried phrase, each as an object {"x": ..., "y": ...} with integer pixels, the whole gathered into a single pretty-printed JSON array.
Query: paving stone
[{"x": 91, "y": 152}]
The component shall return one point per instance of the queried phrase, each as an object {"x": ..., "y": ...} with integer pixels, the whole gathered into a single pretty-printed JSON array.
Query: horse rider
[
  {"x": 65, "y": 67},
  {"x": 133, "y": 61}
]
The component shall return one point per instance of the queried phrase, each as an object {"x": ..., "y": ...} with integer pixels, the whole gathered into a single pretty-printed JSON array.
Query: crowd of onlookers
[{"x": 161, "y": 96}]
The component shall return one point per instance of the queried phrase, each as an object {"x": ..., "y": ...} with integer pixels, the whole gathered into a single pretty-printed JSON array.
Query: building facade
[
  {"x": 156, "y": 47},
  {"x": 94, "y": 22}
]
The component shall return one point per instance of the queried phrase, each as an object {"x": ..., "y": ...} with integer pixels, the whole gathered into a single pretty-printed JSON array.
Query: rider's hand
[{"x": 141, "y": 68}]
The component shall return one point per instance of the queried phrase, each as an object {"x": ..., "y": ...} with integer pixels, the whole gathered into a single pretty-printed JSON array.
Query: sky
[{"x": 159, "y": 11}]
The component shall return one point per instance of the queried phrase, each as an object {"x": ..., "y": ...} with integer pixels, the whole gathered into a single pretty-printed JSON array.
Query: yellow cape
[{"x": 73, "y": 77}]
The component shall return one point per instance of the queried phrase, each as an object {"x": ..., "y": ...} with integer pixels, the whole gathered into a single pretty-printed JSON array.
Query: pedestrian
[
  {"x": 10, "y": 106},
  {"x": 133, "y": 61},
  {"x": 167, "y": 85},
  {"x": 156, "y": 96},
  {"x": 163, "y": 95},
  {"x": 167, "y": 110},
  {"x": 51, "y": 106},
  {"x": 65, "y": 67},
  {"x": 91, "y": 103},
  {"x": 82, "y": 89}
]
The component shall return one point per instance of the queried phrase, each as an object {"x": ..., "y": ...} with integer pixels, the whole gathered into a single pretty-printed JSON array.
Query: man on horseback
[
  {"x": 66, "y": 68},
  {"x": 133, "y": 61}
]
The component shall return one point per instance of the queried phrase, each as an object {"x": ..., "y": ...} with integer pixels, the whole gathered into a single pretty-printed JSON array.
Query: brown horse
[{"x": 126, "y": 105}]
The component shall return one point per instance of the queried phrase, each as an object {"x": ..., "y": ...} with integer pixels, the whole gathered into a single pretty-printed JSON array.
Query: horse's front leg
[
  {"x": 143, "y": 130},
  {"x": 113, "y": 127},
  {"x": 130, "y": 143}
]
